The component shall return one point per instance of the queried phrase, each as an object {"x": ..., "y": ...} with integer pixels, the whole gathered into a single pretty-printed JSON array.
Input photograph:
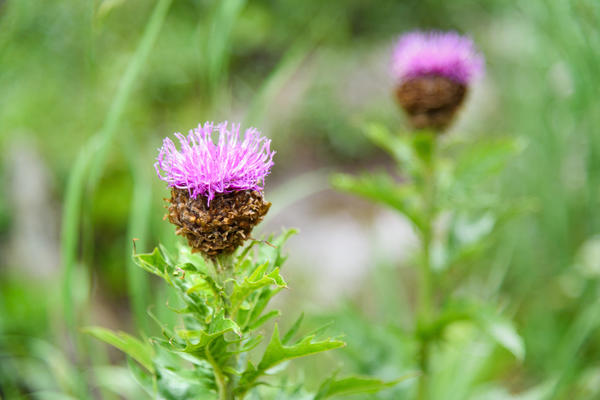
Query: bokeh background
[{"x": 89, "y": 89}]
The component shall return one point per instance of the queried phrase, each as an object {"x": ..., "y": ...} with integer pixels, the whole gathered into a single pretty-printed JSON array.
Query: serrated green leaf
[
  {"x": 355, "y": 385},
  {"x": 181, "y": 383},
  {"x": 263, "y": 319},
  {"x": 166, "y": 331},
  {"x": 321, "y": 329},
  {"x": 257, "y": 280},
  {"x": 273, "y": 252},
  {"x": 250, "y": 344},
  {"x": 276, "y": 353},
  {"x": 136, "y": 349},
  {"x": 204, "y": 284},
  {"x": 197, "y": 340},
  {"x": 185, "y": 256},
  {"x": 263, "y": 300},
  {"x": 293, "y": 330},
  {"x": 155, "y": 263}
]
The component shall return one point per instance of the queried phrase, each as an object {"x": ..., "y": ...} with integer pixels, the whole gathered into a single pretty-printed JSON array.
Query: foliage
[
  {"x": 224, "y": 311},
  {"x": 62, "y": 62},
  {"x": 452, "y": 183}
]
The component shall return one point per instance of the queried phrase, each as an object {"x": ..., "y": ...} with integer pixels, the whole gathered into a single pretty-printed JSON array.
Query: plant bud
[{"x": 433, "y": 71}]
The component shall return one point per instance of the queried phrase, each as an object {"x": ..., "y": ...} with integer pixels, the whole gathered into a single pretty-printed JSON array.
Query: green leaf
[
  {"x": 481, "y": 161},
  {"x": 182, "y": 383},
  {"x": 398, "y": 147},
  {"x": 257, "y": 280},
  {"x": 136, "y": 349},
  {"x": 261, "y": 303},
  {"x": 154, "y": 263},
  {"x": 50, "y": 395},
  {"x": 355, "y": 385},
  {"x": 273, "y": 253},
  {"x": 250, "y": 345},
  {"x": 504, "y": 333},
  {"x": 469, "y": 234},
  {"x": 203, "y": 284},
  {"x": 263, "y": 319},
  {"x": 381, "y": 188},
  {"x": 293, "y": 330},
  {"x": 320, "y": 330},
  {"x": 197, "y": 340},
  {"x": 146, "y": 381},
  {"x": 185, "y": 256},
  {"x": 276, "y": 353},
  {"x": 499, "y": 328}
]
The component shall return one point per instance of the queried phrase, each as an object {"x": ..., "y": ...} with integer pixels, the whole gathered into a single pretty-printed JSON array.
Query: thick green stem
[
  {"x": 425, "y": 306},
  {"x": 424, "y": 366},
  {"x": 219, "y": 375},
  {"x": 424, "y": 317},
  {"x": 226, "y": 382}
]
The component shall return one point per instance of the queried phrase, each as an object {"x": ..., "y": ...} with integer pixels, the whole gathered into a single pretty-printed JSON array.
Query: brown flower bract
[
  {"x": 431, "y": 101},
  {"x": 221, "y": 227}
]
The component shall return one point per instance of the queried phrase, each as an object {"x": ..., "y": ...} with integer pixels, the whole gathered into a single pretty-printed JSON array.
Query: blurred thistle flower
[
  {"x": 433, "y": 71},
  {"x": 216, "y": 196},
  {"x": 445, "y": 54}
]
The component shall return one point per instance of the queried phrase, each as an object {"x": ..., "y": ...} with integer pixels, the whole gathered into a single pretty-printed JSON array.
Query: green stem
[
  {"x": 219, "y": 376},
  {"x": 137, "y": 229},
  {"x": 425, "y": 306},
  {"x": 225, "y": 271},
  {"x": 424, "y": 366},
  {"x": 424, "y": 318}
]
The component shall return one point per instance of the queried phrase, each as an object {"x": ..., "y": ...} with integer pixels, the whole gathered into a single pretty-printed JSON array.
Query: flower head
[
  {"x": 206, "y": 168},
  {"x": 444, "y": 54}
]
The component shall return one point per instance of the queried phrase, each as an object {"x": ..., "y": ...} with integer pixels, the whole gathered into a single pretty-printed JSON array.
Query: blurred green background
[{"x": 89, "y": 89}]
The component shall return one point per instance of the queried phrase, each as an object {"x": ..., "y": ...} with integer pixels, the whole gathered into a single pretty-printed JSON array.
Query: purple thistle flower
[
  {"x": 205, "y": 168},
  {"x": 445, "y": 54}
]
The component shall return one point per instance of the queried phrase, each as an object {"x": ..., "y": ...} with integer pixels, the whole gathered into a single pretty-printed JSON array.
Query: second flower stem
[
  {"x": 424, "y": 318},
  {"x": 425, "y": 311}
]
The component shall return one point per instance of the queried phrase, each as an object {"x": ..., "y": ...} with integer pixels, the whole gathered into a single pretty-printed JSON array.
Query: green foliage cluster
[
  {"x": 455, "y": 182},
  {"x": 225, "y": 308}
]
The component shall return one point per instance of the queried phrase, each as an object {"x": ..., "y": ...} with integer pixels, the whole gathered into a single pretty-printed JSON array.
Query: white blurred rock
[{"x": 34, "y": 236}]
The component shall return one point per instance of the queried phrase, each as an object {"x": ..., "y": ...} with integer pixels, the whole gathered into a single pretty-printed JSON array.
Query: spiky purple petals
[
  {"x": 445, "y": 54},
  {"x": 206, "y": 168}
]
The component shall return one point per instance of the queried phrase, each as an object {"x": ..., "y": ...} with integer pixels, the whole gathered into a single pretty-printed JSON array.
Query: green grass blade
[
  {"x": 92, "y": 156},
  {"x": 126, "y": 86},
  {"x": 137, "y": 228}
]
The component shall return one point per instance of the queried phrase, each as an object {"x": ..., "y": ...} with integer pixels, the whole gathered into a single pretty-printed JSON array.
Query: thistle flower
[
  {"x": 433, "y": 71},
  {"x": 216, "y": 188}
]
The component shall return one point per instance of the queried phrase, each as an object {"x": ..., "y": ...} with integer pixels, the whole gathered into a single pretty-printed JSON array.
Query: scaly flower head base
[
  {"x": 216, "y": 196},
  {"x": 431, "y": 102},
  {"x": 433, "y": 71},
  {"x": 220, "y": 228}
]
